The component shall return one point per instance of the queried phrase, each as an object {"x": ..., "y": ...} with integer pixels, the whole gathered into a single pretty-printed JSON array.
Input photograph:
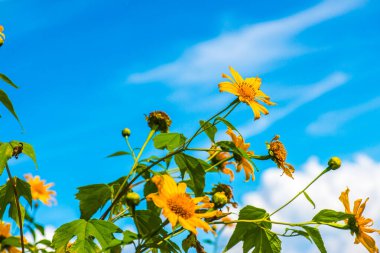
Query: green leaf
[
  {"x": 6, "y": 151},
  {"x": 85, "y": 232},
  {"x": 149, "y": 188},
  {"x": 7, "y": 80},
  {"x": 92, "y": 198},
  {"x": 195, "y": 168},
  {"x": 327, "y": 215},
  {"x": 118, "y": 153},
  {"x": 169, "y": 141},
  {"x": 7, "y": 197},
  {"x": 316, "y": 237},
  {"x": 129, "y": 237},
  {"x": 296, "y": 232},
  {"x": 309, "y": 199},
  {"x": 4, "y": 99},
  {"x": 228, "y": 124},
  {"x": 209, "y": 129},
  {"x": 254, "y": 235},
  {"x": 27, "y": 149},
  {"x": 146, "y": 221}
]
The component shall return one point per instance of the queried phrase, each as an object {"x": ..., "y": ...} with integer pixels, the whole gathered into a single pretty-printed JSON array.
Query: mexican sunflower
[
  {"x": 179, "y": 207},
  {"x": 359, "y": 225},
  {"x": 2, "y": 36},
  {"x": 278, "y": 153},
  {"x": 5, "y": 229},
  {"x": 241, "y": 162},
  {"x": 40, "y": 190},
  {"x": 247, "y": 90},
  {"x": 217, "y": 157}
]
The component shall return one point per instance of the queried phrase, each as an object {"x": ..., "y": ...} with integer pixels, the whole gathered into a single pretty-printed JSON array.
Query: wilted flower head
[
  {"x": 278, "y": 154},
  {"x": 159, "y": 121},
  {"x": 2, "y": 36},
  {"x": 359, "y": 225},
  {"x": 227, "y": 191},
  {"x": 40, "y": 190},
  {"x": 247, "y": 90}
]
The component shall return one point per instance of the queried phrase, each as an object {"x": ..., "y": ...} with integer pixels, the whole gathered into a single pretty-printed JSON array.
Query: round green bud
[
  {"x": 126, "y": 132},
  {"x": 219, "y": 199},
  {"x": 334, "y": 163},
  {"x": 133, "y": 198}
]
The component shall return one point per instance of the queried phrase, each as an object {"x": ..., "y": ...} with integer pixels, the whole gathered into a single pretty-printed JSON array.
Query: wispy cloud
[
  {"x": 308, "y": 94},
  {"x": 256, "y": 46},
  {"x": 329, "y": 123}
]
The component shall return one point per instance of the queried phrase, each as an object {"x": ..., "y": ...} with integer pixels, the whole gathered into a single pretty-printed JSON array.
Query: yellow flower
[
  {"x": 2, "y": 36},
  {"x": 40, "y": 190},
  {"x": 217, "y": 157},
  {"x": 359, "y": 225},
  {"x": 278, "y": 153},
  {"x": 247, "y": 90},
  {"x": 5, "y": 229},
  {"x": 178, "y": 206},
  {"x": 242, "y": 163}
]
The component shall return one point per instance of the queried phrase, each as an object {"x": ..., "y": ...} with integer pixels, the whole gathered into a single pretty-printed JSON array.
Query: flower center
[
  {"x": 246, "y": 92},
  {"x": 182, "y": 205}
]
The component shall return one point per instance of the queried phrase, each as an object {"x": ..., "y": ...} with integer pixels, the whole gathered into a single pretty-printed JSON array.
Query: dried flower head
[
  {"x": 159, "y": 121},
  {"x": 277, "y": 151}
]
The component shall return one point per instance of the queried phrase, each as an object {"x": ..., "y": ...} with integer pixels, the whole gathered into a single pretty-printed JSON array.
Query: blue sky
[{"x": 87, "y": 69}]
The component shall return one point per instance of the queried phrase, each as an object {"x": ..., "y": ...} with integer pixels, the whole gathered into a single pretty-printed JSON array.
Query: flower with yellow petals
[
  {"x": 278, "y": 153},
  {"x": 242, "y": 163},
  {"x": 5, "y": 229},
  {"x": 359, "y": 225},
  {"x": 179, "y": 207},
  {"x": 247, "y": 90},
  {"x": 217, "y": 156},
  {"x": 2, "y": 36},
  {"x": 40, "y": 190}
]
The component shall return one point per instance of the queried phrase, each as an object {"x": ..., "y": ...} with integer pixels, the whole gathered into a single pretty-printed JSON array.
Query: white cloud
[
  {"x": 256, "y": 46},
  {"x": 308, "y": 94},
  {"x": 329, "y": 123},
  {"x": 359, "y": 175}
]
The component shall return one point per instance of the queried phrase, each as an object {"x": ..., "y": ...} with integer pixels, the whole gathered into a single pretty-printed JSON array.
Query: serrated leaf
[
  {"x": 169, "y": 141},
  {"x": 316, "y": 237},
  {"x": 309, "y": 199},
  {"x": 7, "y": 80},
  {"x": 327, "y": 215},
  {"x": 27, "y": 150},
  {"x": 118, "y": 153},
  {"x": 92, "y": 198},
  {"x": 209, "y": 129},
  {"x": 266, "y": 242},
  {"x": 4, "y": 99},
  {"x": 85, "y": 231},
  {"x": 7, "y": 197},
  {"x": 195, "y": 168},
  {"x": 5, "y": 154}
]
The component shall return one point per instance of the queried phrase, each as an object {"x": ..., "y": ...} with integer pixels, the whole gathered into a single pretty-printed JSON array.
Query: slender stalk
[
  {"x": 121, "y": 188},
  {"x": 18, "y": 207},
  {"x": 296, "y": 196},
  {"x": 130, "y": 148}
]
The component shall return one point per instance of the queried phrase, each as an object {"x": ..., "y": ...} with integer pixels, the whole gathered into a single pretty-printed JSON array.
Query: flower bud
[
  {"x": 219, "y": 199},
  {"x": 159, "y": 121},
  {"x": 133, "y": 198},
  {"x": 126, "y": 132},
  {"x": 334, "y": 163}
]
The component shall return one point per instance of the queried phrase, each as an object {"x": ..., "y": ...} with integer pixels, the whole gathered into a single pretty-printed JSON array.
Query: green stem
[
  {"x": 121, "y": 188},
  {"x": 18, "y": 207},
  {"x": 296, "y": 196},
  {"x": 130, "y": 147}
]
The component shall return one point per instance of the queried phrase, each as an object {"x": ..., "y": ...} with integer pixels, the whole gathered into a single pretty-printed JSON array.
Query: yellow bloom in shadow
[
  {"x": 2, "y": 36},
  {"x": 359, "y": 225},
  {"x": 241, "y": 162},
  {"x": 247, "y": 90},
  {"x": 5, "y": 229},
  {"x": 40, "y": 190},
  {"x": 179, "y": 207},
  {"x": 217, "y": 156},
  {"x": 278, "y": 153}
]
